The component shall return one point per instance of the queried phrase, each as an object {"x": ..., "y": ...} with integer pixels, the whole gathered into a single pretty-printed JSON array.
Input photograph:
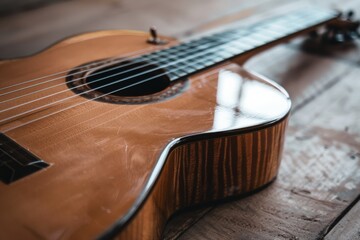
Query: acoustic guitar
[{"x": 107, "y": 134}]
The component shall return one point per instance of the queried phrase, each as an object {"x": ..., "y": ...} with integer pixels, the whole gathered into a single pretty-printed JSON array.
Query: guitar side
[{"x": 205, "y": 171}]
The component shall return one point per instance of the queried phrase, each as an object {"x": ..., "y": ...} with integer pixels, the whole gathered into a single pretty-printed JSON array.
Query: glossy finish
[
  {"x": 106, "y": 157},
  {"x": 203, "y": 171}
]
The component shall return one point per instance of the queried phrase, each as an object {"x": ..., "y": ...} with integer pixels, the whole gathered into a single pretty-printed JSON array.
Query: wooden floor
[{"x": 317, "y": 192}]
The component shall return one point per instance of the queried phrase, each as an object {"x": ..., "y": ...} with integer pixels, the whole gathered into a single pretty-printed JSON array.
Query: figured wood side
[{"x": 208, "y": 170}]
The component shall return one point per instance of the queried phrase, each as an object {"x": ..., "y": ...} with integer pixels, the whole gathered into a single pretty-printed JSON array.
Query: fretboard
[{"x": 187, "y": 58}]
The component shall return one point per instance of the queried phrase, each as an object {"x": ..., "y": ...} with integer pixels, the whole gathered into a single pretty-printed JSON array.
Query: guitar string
[
  {"x": 134, "y": 53},
  {"x": 73, "y": 80},
  {"x": 204, "y": 76},
  {"x": 118, "y": 67},
  {"x": 125, "y": 58},
  {"x": 121, "y": 80},
  {"x": 81, "y": 103},
  {"x": 103, "y": 94},
  {"x": 106, "y": 85},
  {"x": 116, "y": 74},
  {"x": 104, "y": 61},
  {"x": 96, "y": 73},
  {"x": 157, "y": 49}
]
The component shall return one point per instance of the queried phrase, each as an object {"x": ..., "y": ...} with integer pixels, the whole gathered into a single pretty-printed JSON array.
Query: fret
[
  {"x": 254, "y": 41},
  {"x": 270, "y": 31},
  {"x": 203, "y": 62},
  {"x": 264, "y": 37},
  {"x": 145, "y": 57},
  {"x": 226, "y": 38},
  {"x": 222, "y": 55},
  {"x": 186, "y": 58},
  {"x": 284, "y": 28},
  {"x": 187, "y": 65},
  {"x": 180, "y": 48},
  {"x": 297, "y": 24},
  {"x": 277, "y": 29},
  {"x": 240, "y": 45},
  {"x": 207, "y": 41},
  {"x": 286, "y": 24},
  {"x": 178, "y": 71},
  {"x": 229, "y": 48},
  {"x": 178, "y": 55},
  {"x": 159, "y": 57},
  {"x": 208, "y": 60},
  {"x": 181, "y": 71},
  {"x": 164, "y": 58}
]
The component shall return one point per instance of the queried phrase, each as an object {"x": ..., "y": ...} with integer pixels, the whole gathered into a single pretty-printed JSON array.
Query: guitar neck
[{"x": 188, "y": 58}]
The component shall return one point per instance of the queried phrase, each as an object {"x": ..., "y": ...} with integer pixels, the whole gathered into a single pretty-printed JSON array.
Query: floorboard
[{"x": 348, "y": 227}]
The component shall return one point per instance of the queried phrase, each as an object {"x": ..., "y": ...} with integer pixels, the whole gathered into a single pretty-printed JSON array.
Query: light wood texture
[
  {"x": 209, "y": 170},
  {"x": 348, "y": 227},
  {"x": 107, "y": 159}
]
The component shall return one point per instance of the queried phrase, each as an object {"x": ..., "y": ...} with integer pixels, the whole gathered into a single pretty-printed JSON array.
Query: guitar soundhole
[{"x": 125, "y": 82}]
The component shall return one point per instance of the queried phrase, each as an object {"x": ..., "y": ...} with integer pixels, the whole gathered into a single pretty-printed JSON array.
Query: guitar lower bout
[{"x": 230, "y": 161}]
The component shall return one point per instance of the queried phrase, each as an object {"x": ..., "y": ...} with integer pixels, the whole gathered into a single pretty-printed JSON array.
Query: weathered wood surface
[
  {"x": 318, "y": 186},
  {"x": 348, "y": 227},
  {"x": 8, "y": 7}
]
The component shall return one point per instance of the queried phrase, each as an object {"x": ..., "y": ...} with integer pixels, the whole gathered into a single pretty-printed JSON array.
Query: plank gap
[{"x": 341, "y": 216}]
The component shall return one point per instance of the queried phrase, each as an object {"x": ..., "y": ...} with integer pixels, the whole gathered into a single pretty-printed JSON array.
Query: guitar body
[{"x": 122, "y": 169}]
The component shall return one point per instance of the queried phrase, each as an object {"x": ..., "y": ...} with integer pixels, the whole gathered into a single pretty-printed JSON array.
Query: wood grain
[
  {"x": 302, "y": 74},
  {"x": 108, "y": 157},
  {"x": 348, "y": 227},
  {"x": 209, "y": 170}
]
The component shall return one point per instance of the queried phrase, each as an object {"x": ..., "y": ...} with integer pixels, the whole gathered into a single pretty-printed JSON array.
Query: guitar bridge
[{"x": 16, "y": 162}]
